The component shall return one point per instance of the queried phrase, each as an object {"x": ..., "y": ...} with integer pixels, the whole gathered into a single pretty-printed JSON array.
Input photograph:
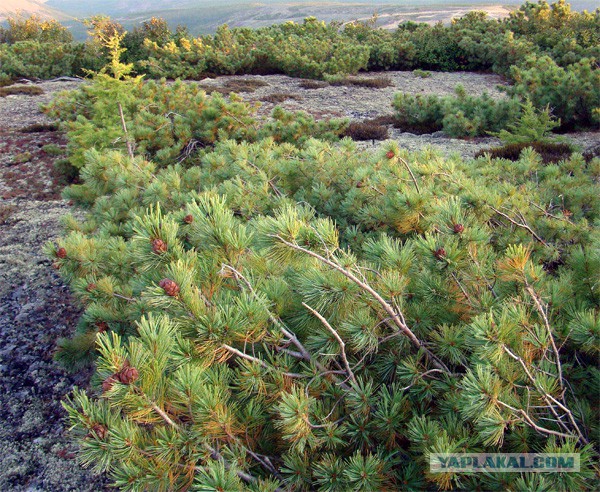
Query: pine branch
[
  {"x": 523, "y": 225},
  {"x": 403, "y": 161},
  {"x": 337, "y": 337},
  {"x": 549, "y": 398},
  {"x": 530, "y": 421},
  {"x": 261, "y": 362},
  {"x": 127, "y": 141},
  {"x": 542, "y": 313},
  {"x": 396, "y": 317},
  {"x": 305, "y": 354}
]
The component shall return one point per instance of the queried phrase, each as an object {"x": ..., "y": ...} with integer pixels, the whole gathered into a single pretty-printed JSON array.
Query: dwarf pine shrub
[{"x": 280, "y": 316}]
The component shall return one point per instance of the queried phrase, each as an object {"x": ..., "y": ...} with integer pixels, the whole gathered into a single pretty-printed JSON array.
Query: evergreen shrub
[
  {"x": 461, "y": 115},
  {"x": 280, "y": 316}
]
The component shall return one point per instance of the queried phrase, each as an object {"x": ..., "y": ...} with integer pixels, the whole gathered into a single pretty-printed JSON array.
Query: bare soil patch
[{"x": 35, "y": 307}]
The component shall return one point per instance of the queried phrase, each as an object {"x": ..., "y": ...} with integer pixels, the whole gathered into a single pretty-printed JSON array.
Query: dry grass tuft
[
  {"x": 312, "y": 84},
  {"x": 235, "y": 85},
  {"x": 244, "y": 85},
  {"x": 26, "y": 90},
  {"x": 366, "y": 130},
  {"x": 372, "y": 83},
  {"x": 384, "y": 120},
  {"x": 5, "y": 213},
  {"x": 549, "y": 152},
  {"x": 279, "y": 97},
  {"x": 40, "y": 128}
]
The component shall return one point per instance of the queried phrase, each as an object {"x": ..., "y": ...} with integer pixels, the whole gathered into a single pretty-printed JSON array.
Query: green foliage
[
  {"x": 459, "y": 116},
  {"x": 423, "y": 74},
  {"x": 33, "y": 28},
  {"x": 548, "y": 51},
  {"x": 319, "y": 317},
  {"x": 573, "y": 92},
  {"x": 34, "y": 59},
  {"x": 311, "y": 49},
  {"x": 532, "y": 126},
  {"x": 170, "y": 123}
]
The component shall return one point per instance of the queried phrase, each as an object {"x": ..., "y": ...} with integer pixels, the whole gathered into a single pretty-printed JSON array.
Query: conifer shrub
[
  {"x": 33, "y": 28},
  {"x": 573, "y": 92},
  {"x": 461, "y": 115},
  {"x": 422, "y": 74},
  {"x": 279, "y": 317},
  {"x": 171, "y": 122},
  {"x": 532, "y": 126}
]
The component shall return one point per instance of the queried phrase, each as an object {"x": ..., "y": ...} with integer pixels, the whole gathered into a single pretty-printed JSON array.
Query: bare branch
[
  {"x": 337, "y": 337},
  {"x": 260, "y": 362},
  {"x": 523, "y": 225},
  {"x": 397, "y": 318},
  {"x": 127, "y": 141},
  {"x": 403, "y": 161}
]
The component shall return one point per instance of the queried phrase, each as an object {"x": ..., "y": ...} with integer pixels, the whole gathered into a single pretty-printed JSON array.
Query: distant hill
[{"x": 28, "y": 7}]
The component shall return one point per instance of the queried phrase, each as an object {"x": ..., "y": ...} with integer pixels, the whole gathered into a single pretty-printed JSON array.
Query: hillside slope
[{"x": 29, "y": 7}]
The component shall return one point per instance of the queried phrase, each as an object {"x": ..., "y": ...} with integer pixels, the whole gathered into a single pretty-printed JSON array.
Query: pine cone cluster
[
  {"x": 128, "y": 375},
  {"x": 169, "y": 286},
  {"x": 61, "y": 253},
  {"x": 458, "y": 228},
  {"x": 188, "y": 219},
  {"x": 159, "y": 246},
  {"x": 390, "y": 154}
]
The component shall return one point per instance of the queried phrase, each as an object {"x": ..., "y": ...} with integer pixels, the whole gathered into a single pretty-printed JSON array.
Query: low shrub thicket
[
  {"x": 281, "y": 316},
  {"x": 170, "y": 122},
  {"x": 549, "y": 51},
  {"x": 458, "y": 116}
]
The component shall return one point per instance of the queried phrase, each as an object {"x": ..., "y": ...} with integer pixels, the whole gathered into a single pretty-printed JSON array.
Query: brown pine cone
[
  {"x": 100, "y": 430},
  {"x": 188, "y": 219},
  {"x": 102, "y": 326},
  {"x": 440, "y": 253},
  {"x": 169, "y": 286},
  {"x": 108, "y": 383},
  {"x": 390, "y": 154},
  {"x": 128, "y": 374},
  {"x": 458, "y": 228},
  {"x": 159, "y": 246},
  {"x": 90, "y": 287},
  {"x": 61, "y": 252}
]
